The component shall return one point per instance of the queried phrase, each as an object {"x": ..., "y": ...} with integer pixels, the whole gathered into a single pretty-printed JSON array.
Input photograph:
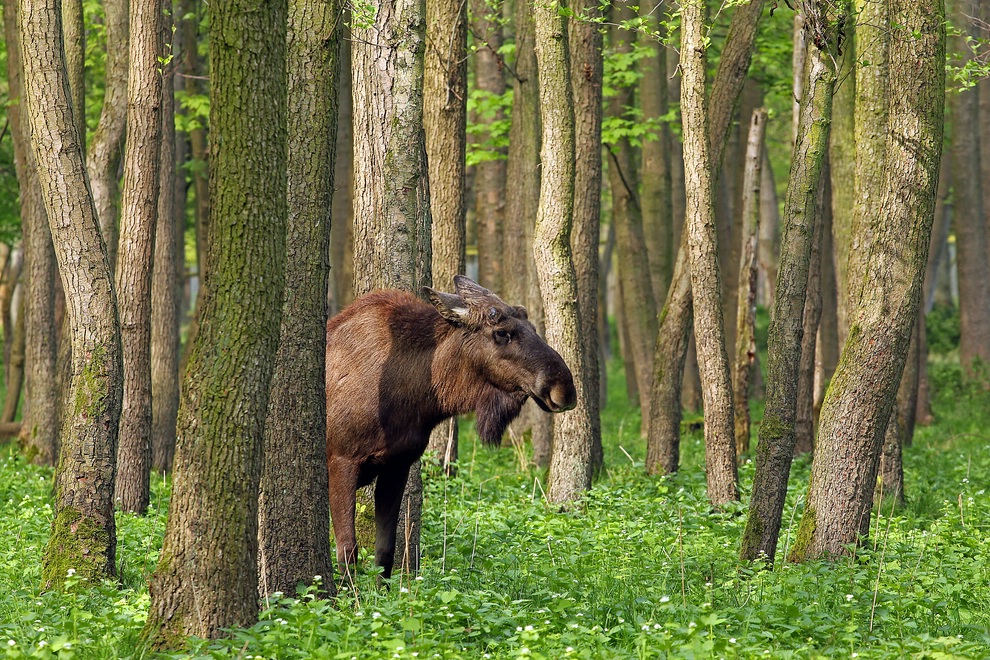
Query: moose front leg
[
  {"x": 388, "y": 500},
  {"x": 343, "y": 475}
]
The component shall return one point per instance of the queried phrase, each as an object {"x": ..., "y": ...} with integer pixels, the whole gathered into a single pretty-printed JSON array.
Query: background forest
[{"x": 755, "y": 232}]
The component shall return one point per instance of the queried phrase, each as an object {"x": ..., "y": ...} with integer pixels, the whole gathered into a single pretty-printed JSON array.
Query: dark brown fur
[{"x": 397, "y": 367}]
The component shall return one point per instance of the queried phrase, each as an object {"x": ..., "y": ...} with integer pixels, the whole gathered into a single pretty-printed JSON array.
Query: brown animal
[{"x": 397, "y": 367}]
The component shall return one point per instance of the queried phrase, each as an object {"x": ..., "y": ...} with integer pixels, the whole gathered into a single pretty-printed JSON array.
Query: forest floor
[{"x": 641, "y": 569}]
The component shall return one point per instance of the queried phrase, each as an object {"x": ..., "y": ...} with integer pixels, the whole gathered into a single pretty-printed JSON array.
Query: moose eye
[{"x": 502, "y": 337}]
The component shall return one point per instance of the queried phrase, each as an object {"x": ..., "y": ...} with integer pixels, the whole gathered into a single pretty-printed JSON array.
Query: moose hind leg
[
  {"x": 343, "y": 486},
  {"x": 388, "y": 500}
]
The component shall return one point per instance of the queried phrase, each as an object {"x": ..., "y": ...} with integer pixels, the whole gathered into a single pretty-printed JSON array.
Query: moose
[{"x": 398, "y": 366}]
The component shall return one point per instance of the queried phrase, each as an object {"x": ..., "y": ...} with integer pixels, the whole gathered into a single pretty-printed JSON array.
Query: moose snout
[{"x": 556, "y": 393}]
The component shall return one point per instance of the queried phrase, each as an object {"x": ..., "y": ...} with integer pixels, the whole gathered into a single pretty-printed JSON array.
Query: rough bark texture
[
  {"x": 655, "y": 191},
  {"x": 206, "y": 578},
  {"x": 83, "y": 533},
  {"x": 745, "y": 354},
  {"x": 675, "y": 318},
  {"x": 490, "y": 175},
  {"x": 342, "y": 225},
  {"x": 969, "y": 224},
  {"x": 74, "y": 37},
  {"x": 392, "y": 244},
  {"x": 585, "y": 44},
  {"x": 138, "y": 214},
  {"x": 106, "y": 149},
  {"x": 842, "y": 171},
  {"x": 720, "y": 451},
  {"x": 570, "y": 460},
  {"x": 168, "y": 271},
  {"x": 777, "y": 431},
  {"x": 293, "y": 506},
  {"x": 39, "y": 432},
  {"x": 445, "y": 124},
  {"x": 861, "y": 397}
]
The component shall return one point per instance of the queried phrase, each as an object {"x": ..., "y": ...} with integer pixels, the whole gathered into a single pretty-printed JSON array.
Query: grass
[{"x": 642, "y": 569}]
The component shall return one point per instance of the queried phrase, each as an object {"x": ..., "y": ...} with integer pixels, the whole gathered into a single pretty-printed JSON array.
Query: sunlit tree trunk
[
  {"x": 858, "y": 406},
  {"x": 206, "y": 581},
  {"x": 83, "y": 533}
]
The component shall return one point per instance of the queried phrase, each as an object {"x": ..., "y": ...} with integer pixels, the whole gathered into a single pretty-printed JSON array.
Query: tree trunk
[
  {"x": 445, "y": 125},
  {"x": 83, "y": 533},
  {"x": 139, "y": 208},
  {"x": 106, "y": 149},
  {"x": 342, "y": 224},
  {"x": 769, "y": 235},
  {"x": 490, "y": 174},
  {"x": 15, "y": 377},
  {"x": 861, "y": 397},
  {"x": 746, "y": 300},
  {"x": 570, "y": 461},
  {"x": 585, "y": 42},
  {"x": 168, "y": 271},
  {"x": 675, "y": 318},
  {"x": 294, "y": 506},
  {"x": 842, "y": 171},
  {"x": 827, "y": 344},
  {"x": 207, "y": 579},
  {"x": 392, "y": 244},
  {"x": 40, "y": 428},
  {"x": 777, "y": 431},
  {"x": 720, "y": 452},
  {"x": 74, "y": 38}
]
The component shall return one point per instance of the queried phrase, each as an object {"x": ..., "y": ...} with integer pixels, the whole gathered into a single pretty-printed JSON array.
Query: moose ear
[
  {"x": 520, "y": 312},
  {"x": 469, "y": 289},
  {"x": 451, "y": 307}
]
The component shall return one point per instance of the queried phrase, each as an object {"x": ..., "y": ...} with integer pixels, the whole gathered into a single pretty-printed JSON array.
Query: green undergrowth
[{"x": 641, "y": 569}]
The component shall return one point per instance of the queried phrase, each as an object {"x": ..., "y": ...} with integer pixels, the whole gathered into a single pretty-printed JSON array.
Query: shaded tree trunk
[
  {"x": 842, "y": 172},
  {"x": 769, "y": 235},
  {"x": 777, "y": 431},
  {"x": 15, "y": 373},
  {"x": 139, "y": 208},
  {"x": 206, "y": 580},
  {"x": 342, "y": 225},
  {"x": 857, "y": 409},
  {"x": 294, "y": 506},
  {"x": 83, "y": 532},
  {"x": 827, "y": 345}
]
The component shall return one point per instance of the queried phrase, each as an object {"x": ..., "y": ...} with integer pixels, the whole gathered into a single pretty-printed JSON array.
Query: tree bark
[
  {"x": 675, "y": 318},
  {"x": 827, "y": 345},
  {"x": 294, "y": 506},
  {"x": 39, "y": 431},
  {"x": 745, "y": 356},
  {"x": 83, "y": 533},
  {"x": 207, "y": 580},
  {"x": 342, "y": 224},
  {"x": 570, "y": 460},
  {"x": 445, "y": 125},
  {"x": 106, "y": 149},
  {"x": 777, "y": 431},
  {"x": 861, "y": 397},
  {"x": 842, "y": 172},
  {"x": 139, "y": 208},
  {"x": 769, "y": 235},
  {"x": 15, "y": 373}
]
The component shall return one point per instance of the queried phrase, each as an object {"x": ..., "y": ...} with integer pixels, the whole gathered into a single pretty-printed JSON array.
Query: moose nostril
[{"x": 563, "y": 396}]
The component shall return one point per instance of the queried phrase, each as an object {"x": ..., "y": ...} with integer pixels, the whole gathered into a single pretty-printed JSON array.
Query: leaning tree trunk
[
  {"x": 39, "y": 431},
  {"x": 675, "y": 318},
  {"x": 861, "y": 397},
  {"x": 139, "y": 209},
  {"x": 206, "y": 581},
  {"x": 777, "y": 431},
  {"x": 585, "y": 45},
  {"x": 713, "y": 362},
  {"x": 570, "y": 460},
  {"x": 83, "y": 535},
  {"x": 294, "y": 506},
  {"x": 392, "y": 245},
  {"x": 745, "y": 356},
  {"x": 103, "y": 157},
  {"x": 445, "y": 125}
]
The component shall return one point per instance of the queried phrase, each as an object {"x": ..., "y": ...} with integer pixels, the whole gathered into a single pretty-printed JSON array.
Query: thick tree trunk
[
  {"x": 83, "y": 534},
  {"x": 675, "y": 318},
  {"x": 294, "y": 506},
  {"x": 777, "y": 431},
  {"x": 720, "y": 451},
  {"x": 206, "y": 580},
  {"x": 445, "y": 125},
  {"x": 857, "y": 409},
  {"x": 570, "y": 461},
  {"x": 745, "y": 354},
  {"x": 39, "y": 431},
  {"x": 139, "y": 208},
  {"x": 106, "y": 149},
  {"x": 490, "y": 174}
]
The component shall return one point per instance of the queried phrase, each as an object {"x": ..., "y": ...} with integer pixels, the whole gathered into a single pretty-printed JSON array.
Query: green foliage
[
  {"x": 642, "y": 568},
  {"x": 942, "y": 329},
  {"x": 488, "y": 129}
]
